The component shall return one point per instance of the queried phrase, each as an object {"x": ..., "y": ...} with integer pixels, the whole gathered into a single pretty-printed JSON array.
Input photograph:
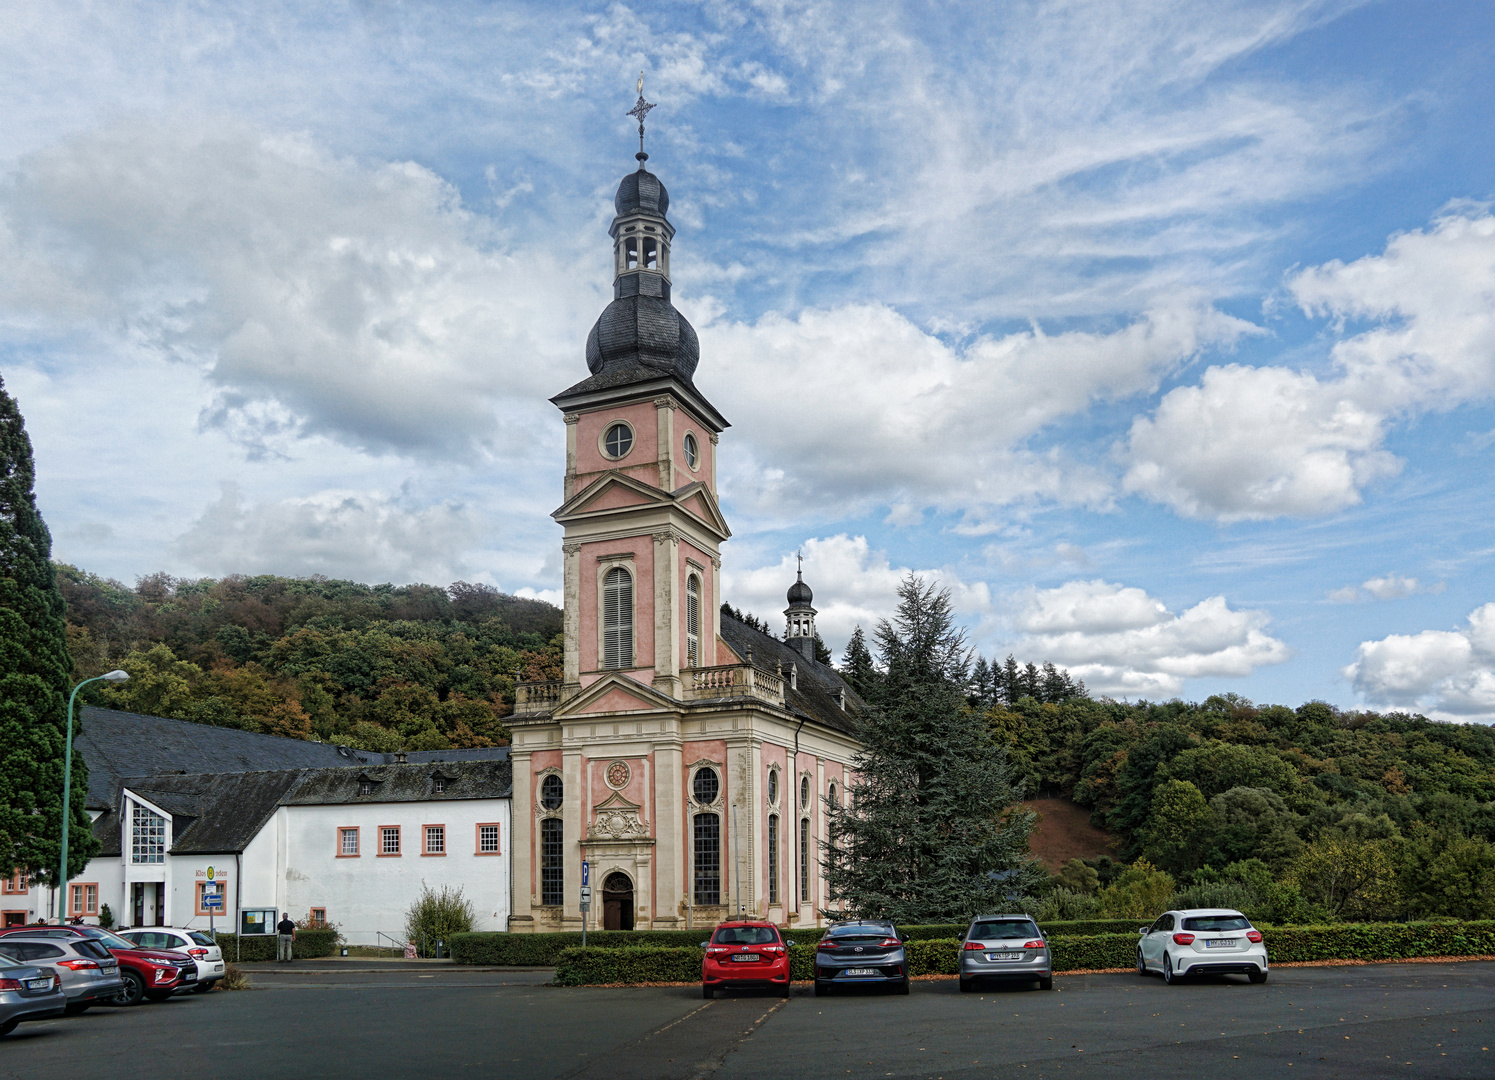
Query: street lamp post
[{"x": 67, "y": 785}]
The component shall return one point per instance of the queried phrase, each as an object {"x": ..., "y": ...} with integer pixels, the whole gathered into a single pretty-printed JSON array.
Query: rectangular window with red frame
[
  {"x": 347, "y": 843},
  {"x": 15, "y": 885},
  {"x": 85, "y": 898},
  {"x": 488, "y": 838},
  {"x": 433, "y": 839},
  {"x": 389, "y": 840}
]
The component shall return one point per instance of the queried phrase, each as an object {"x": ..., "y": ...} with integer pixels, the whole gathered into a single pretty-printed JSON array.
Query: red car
[
  {"x": 147, "y": 973},
  {"x": 745, "y": 955}
]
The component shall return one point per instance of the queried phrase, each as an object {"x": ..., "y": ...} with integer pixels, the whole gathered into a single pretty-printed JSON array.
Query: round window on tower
[
  {"x": 692, "y": 451},
  {"x": 706, "y": 786},
  {"x": 617, "y": 440}
]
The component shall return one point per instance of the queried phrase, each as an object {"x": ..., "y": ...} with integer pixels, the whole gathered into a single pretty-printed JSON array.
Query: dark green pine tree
[
  {"x": 35, "y": 677},
  {"x": 932, "y": 814},
  {"x": 856, "y": 664}
]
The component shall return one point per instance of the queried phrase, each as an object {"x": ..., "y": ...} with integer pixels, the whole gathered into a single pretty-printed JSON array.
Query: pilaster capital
[
  {"x": 666, "y": 403},
  {"x": 667, "y": 536},
  {"x": 571, "y": 547},
  {"x": 572, "y": 418},
  {"x": 716, "y": 562},
  {"x": 715, "y": 438}
]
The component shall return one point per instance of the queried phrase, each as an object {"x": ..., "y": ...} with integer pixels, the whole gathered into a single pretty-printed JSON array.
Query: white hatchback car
[
  {"x": 194, "y": 943},
  {"x": 1202, "y": 941}
]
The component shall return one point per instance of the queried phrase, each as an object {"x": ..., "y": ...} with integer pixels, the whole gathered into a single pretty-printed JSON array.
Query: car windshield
[
  {"x": 1217, "y": 922},
  {"x": 108, "y": 937},
  {"x": 1002, "y": 928},
  {"x": 746, "y": 935},
  {"x": 201, "y": 939},
  {"x": 7, "y": 962}
]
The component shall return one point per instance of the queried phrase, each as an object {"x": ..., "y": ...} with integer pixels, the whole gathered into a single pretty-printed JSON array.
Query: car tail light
[
  {"x": 1183, "y": 939},
  {"x": 78, "y": 965},
  {"x": 10, "y": 984},
  {"x": 1033, "y": 944},
  {"x": 197, "y": 952},
  {"x": 889, "y": 943},
  {"x": 827, "y": 946},
  {"x": 975, "y": 945},
  {"x": 1253, "y": 936}
]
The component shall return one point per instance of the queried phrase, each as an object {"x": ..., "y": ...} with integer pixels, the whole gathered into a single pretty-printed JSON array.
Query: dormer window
[
  {"x": 365, "y": 787},
  {"x": 438, "y": 785}
]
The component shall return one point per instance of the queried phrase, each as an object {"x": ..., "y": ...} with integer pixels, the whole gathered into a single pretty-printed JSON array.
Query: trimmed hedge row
[
  {"x": 309, "y": 945},
  {"x": 544, "y": 950},
  {"x": 1358, "y": 941}
]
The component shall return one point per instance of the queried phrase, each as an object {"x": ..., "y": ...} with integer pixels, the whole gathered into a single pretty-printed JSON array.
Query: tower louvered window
[
  {"x": 617, "y": 619},
  {"x": 693, "y": 621}
]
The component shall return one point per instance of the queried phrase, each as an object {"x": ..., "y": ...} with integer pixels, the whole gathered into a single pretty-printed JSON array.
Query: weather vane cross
[{"x": 640, "y": 109}]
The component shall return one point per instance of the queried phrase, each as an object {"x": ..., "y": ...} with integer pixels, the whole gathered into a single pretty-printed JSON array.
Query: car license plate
[
  {"x": 861, "y": 971},
  {"x": 1004, "y": 956},
  {"x": 1220, "y": 943},
  {"x": 217, "y": 967},
  {"x": 38, "y": 984},
  {"x": 747, "y": 956},
  {"x": 190, "y": 976}
]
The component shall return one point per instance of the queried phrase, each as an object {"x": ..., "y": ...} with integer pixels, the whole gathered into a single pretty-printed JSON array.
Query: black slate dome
[
  {"x": 643, "y": 330},
  {"x": 641, "y": 190},
  {"x": 799, "y": 593}
]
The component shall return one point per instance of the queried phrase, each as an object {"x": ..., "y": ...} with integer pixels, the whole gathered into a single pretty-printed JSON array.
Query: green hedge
[
  {"x": 1071, "y": 952},
  {"x": 309, "y": 945},
  {"x": 544, "y": 950}
]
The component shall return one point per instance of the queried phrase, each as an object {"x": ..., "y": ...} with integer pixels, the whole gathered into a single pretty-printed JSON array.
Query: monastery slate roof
[
  {"x": 220, "y": 813},
  {"x": 816, "y": 696},
  {"x": 118, "y": 744}
]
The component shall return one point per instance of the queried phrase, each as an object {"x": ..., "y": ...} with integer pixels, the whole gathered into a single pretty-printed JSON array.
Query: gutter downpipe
[
  {"x": 238, "y": 898},
  {"x": 793, "y": 796}
]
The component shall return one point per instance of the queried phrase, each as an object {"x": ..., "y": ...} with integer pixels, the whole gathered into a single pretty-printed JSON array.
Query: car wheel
[
  {"x": 821, "y": 989},
  {"x": 1258, "y": 977},
  {"x": 1046, "y": 983},
  {"x": 76, "y": 1008},
  {"x": 1168, "y": 976},
  {"x": 132, "y": 992},
  {"x": 1141, "y": 965},
  {"x": 784, "y": 991},
  {"x": 7, "y": 1026},
  {"x": 967, "y": 986},
  {"x": 707, "y": 992}
]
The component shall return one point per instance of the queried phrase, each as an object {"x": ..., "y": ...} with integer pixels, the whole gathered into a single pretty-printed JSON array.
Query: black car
[{"x": 858, "y": 953}]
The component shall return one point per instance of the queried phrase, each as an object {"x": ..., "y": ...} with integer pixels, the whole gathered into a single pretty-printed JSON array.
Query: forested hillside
[
  {"x": 380, "y": 667},
  {"x": 1319, "y": 812}
]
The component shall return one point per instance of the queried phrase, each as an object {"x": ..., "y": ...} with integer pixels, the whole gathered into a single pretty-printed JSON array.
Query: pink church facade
[{"x": 686, "y": 756}]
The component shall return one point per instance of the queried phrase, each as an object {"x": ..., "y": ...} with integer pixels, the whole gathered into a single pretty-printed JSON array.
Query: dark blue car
[{"x": 860, "y": 953}]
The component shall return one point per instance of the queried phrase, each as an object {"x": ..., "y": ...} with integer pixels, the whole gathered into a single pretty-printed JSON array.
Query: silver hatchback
[
  {"x": 1006, "y": 947},
  {"x": 89, "y": 972}
]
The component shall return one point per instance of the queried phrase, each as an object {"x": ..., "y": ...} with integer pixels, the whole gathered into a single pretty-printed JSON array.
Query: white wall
[{"x": 371, "y": 892}]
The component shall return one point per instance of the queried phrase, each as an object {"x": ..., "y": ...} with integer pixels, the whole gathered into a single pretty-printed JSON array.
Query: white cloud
[
  {"x": 366, "y": 536},
  {"x": 1254, "y": 443},
  {"x": 320, "y": 295},
  {"x": 1125, "y": 643},
  {"x": 856, "y": 406},
  {"x": 1447, "y": 674}
]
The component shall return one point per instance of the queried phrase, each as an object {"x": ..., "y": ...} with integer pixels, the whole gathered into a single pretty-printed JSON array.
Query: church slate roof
[
  {"x": 117, "y": 744},
  {"x": 815, "y": 699},
  {"x": 220, "y": 813}
]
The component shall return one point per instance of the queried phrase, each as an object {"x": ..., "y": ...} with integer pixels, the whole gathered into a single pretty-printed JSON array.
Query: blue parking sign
[{"x": 586, "y": 870}]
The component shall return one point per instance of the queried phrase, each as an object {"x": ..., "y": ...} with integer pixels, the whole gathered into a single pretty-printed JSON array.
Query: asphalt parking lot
[{"x": 1423, "y": 1020}]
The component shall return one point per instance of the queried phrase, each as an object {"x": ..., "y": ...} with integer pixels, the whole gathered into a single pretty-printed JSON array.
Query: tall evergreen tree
[
  {"x": 932, "y": 813},
  {"x": 35, "y": 677},
  {"x": 856, "y": 664},
  {"x": 983, "y": 693},
  {"x": 1011, "y": 680}
]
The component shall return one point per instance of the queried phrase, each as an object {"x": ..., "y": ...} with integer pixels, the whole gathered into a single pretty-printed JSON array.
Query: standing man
[{"x": 287, "y": 931}]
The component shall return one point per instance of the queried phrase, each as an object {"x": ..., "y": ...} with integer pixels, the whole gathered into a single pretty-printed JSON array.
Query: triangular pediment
[
  {"x": 696, "y": 499},
  {"x": 615, "y": 694},
  {"x": 616, "y": 802},
  {"x": 611, "y": 491}
]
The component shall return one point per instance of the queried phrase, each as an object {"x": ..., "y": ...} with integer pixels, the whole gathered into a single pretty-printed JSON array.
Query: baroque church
[{"x": 685, "y": 757}]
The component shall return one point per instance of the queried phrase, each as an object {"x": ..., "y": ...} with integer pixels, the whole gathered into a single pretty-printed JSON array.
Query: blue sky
[{"x": 1162, "y": 333}]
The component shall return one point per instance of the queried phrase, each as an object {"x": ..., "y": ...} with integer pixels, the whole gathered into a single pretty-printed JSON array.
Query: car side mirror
[
  {"x": 1142, "y": 930},
  {"x": 902, "y": 937},
  {"x": 704, "y": 944}
]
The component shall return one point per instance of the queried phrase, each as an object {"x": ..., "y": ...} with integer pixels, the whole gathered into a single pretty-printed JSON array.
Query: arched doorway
[{"x": 617, "y": 902}]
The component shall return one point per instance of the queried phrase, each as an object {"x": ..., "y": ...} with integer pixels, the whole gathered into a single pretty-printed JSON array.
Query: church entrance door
[{"x": 617, "y": 903}]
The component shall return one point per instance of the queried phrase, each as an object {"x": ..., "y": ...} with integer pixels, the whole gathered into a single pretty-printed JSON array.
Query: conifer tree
[
  {"x": 35, "y": 677},
  {"x": 932, "y": 814},
  {"x": 856, "y": 664}
]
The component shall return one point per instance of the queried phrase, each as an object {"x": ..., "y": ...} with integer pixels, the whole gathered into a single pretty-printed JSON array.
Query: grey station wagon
[{"x": 1008, "y": 947}]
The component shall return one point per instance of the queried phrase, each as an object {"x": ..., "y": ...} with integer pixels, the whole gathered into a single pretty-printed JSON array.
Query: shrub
[
  {"x": 233, "y": 978},
  {"x": 437, "y": 916},
  {"x": 1220, "y": 894},
  {"x": 309, "y": 945},
  {"x": 106, "y": 917},
  {"x": 1141, "y": 892},
  {"x": 1064, "y": 903}
]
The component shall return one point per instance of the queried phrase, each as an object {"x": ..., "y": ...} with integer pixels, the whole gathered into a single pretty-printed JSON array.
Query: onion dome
[
  {"x": 641, "y": 191},
  {"x": 644, "y": 330},
  {"x": 799, "y": 593}
]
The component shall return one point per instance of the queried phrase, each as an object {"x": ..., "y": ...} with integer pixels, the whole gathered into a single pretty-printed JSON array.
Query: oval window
[
  {"x": 618, "y": 441},
  {"x": 692, "y": 451},
  {"x": 706, "y": 786},
  {"x": 773, "y": 785},
  {"x": 804, "y": 791}
]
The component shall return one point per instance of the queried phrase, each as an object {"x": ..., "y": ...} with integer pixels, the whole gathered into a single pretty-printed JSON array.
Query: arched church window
[
  {"x": 804, "y": 791},
  {"x": 617, "y": 619},
  {"x": 706, "y": 786},
  {"x": 692, "y": 621},
  {"x": 552, "y": 790},
  {"x": 708, "y": 859},
  {"x": 618, "y": 441},
  {"x": 692, "y": 451},
  {"x": 831, "y": 797}
]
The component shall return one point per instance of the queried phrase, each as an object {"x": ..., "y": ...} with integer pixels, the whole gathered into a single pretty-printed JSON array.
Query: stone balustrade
[{"x": 732, "y": 681}]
